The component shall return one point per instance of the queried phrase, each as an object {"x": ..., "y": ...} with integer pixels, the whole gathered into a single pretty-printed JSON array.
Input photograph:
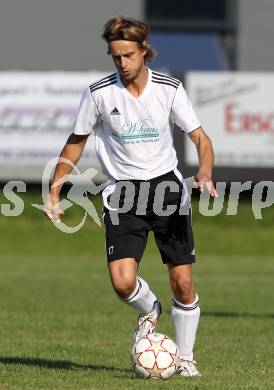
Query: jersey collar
[{"x": 128, "y": 94}]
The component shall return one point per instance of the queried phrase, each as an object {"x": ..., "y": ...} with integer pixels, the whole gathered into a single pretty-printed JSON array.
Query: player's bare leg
[
  {"x": 123, "y": 273},
  {"x": 134, "y": 291},
  {"x": 185, "y": 315}
]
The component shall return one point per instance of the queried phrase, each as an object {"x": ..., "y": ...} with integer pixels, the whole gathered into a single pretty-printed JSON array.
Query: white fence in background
[
  {"x": 237, "y": 111},
  {"x": 37, "y": 112}
]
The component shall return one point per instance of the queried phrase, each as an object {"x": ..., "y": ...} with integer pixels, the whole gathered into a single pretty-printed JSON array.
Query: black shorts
[{"x": 173, "y": 233}]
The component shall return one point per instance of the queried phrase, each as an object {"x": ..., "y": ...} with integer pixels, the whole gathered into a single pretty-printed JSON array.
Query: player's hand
[
  {"x": 51, "y": 208},
  {"x": 203, "y": 182}
]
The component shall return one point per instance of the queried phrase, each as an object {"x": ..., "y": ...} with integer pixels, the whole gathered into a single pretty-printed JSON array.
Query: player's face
[{"x": 128, "y": 58}]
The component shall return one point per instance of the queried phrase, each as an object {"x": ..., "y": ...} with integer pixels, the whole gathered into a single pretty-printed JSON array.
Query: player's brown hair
[{"x": 121, "y": 28}]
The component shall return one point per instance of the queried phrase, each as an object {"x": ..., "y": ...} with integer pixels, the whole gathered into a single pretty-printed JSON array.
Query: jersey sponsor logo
[
  {"x": 115, "y": 111},
  {"x": 137, "y": 132}
]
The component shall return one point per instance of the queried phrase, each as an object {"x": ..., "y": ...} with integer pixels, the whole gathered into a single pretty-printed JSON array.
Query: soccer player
[{"x": 132, "y": 114}]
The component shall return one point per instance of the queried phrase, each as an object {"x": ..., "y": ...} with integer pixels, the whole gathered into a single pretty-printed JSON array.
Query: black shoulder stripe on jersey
[
  {"x": 107, "y": 78},
  {"x": 110, "y": 77},
  {"x": 166, "y": 77},
  {"x": 164, "y": 82},
  {"x": 104, "y": 78},
  {"x": 106, "y": 84}
]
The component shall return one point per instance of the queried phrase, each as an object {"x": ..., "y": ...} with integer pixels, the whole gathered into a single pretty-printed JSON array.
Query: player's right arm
[
  {"x": 87, "y": 119},
  {"x": 69, "y": 157}
]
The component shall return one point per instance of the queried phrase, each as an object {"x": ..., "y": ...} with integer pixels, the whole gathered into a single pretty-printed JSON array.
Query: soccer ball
[{"x": 155, "y": 356}]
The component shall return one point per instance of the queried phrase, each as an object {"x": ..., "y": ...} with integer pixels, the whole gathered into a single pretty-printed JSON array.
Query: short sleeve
[
  {"x": 87, "y": 116},
  {"x": 182, "y": 112}
]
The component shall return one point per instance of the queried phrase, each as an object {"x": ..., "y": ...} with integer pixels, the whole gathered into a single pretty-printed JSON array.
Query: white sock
[
  {"x": 142, "y": 298},
  {"x": 185, "y": 319}
]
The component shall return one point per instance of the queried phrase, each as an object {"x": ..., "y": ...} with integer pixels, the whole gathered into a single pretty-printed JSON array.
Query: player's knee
[
  {"x": 182, "y": 287},
  {"x": 124, "y": 288}
]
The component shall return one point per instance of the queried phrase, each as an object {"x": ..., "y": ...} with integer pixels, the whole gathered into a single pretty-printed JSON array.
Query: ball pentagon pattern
[{"x": 155, "y": 356}]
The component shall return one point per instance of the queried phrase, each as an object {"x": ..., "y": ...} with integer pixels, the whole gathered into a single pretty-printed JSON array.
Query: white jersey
[{"x": 134, "y": 135}]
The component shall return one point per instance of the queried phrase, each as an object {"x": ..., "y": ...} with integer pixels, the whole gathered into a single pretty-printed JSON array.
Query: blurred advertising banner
[
  {"x": 37, "y": 112},
  {"x": 237, "y": 111}
]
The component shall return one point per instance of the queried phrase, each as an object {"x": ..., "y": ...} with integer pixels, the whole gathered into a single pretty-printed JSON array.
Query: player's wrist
[{"x": 204, "y": 174}]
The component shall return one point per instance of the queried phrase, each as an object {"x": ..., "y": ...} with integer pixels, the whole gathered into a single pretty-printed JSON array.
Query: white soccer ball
[{"x": 155, "y": 356}]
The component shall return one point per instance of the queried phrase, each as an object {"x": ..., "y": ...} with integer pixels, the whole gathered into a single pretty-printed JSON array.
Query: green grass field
[{"x": 62, "y": 327}]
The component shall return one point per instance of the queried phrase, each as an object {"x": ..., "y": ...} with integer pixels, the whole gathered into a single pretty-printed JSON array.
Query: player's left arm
[{"x": 203, "y": 143}]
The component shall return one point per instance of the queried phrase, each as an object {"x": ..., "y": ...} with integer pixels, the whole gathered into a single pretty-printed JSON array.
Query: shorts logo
[{"x": 110, "y": 250}]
